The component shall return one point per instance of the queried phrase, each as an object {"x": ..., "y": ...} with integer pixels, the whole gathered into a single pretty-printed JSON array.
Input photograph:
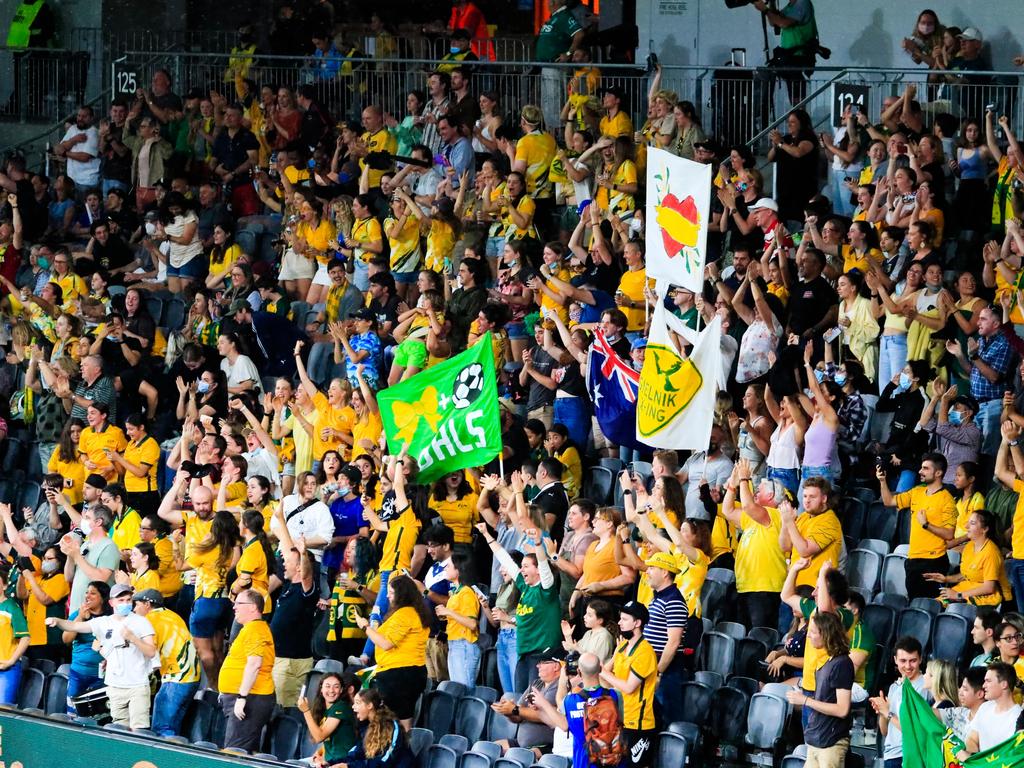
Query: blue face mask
[
  {"x": 123, "y": 609},
  {"x": 955, "y": 417},
  {"x": 840, "y": 379},
  {"x": 905, "y": 382},
  {"x": 819, "y": 375},
  {"x": 343, "y": 490},
  {"x": 455, "y": 49},
  {"x": 43, "y": 262},
  {"x": 202, "y": 386}
]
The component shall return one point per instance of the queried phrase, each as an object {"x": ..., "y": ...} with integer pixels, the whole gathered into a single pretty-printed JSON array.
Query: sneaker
[{"x": 358, "y": 661}]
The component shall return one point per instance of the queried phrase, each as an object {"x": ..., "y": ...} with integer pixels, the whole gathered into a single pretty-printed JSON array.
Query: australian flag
[{"x": 613, "y": 386}]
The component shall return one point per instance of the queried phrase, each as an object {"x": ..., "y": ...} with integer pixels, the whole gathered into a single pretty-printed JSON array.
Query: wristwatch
[{"x": 553, "y": 556}]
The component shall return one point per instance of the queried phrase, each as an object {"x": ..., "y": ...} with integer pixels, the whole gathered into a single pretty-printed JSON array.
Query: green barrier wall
[{"x": 27, "y": 741}]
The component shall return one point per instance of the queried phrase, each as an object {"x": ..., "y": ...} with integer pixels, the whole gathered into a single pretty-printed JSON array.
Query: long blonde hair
[
  {"x": 380, "y": 731},
  {"x": 342, "y": 216},
  {"x": 943, "y": 675}
]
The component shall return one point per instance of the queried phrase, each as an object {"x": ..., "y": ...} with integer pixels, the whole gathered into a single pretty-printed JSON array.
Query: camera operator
[{"x": 798, "y": 43}]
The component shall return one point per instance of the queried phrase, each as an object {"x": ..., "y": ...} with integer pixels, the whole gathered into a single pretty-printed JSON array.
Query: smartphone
[
  {"x": 479, "y": 593},
  {"x": 831, "y": 334},
  {"x": 302, "y": 691},
  {"x": 854, "y": 109}
]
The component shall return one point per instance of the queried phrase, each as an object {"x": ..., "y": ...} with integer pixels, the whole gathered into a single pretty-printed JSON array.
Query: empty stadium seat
[
  {"x": 916, "y": 623},
  {"x": 672, "y": 750},
  {"x": 894, "y": 576},
  {"x": 696, "y": 697},
  {"x": 718, "y": 653},
  {"x": 30, "y": 692},
  {"x": 949, "y": 637},
  {"x": 471, "y": 718},
  {"x": 881, "y": 619},
  {"x": 864, "y": 570}
]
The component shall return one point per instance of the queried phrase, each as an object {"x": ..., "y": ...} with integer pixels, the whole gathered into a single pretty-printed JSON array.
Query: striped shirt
[{"x": 667, "y": 611}]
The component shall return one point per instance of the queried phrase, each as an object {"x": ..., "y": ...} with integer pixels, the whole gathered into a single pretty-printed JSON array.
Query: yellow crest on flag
[
  {"x": 668, "y": 383},
  {"x": 408, "y": 415}
]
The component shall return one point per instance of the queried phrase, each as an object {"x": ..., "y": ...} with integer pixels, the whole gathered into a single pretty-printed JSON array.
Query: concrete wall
[{"x": 869, "y": 34}]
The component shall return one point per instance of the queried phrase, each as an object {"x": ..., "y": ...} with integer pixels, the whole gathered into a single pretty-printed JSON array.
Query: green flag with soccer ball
[{"x": 448, "y": 414}]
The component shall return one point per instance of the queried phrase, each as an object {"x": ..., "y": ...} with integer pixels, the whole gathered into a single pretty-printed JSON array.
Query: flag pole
[{"x": 501, "y": 464}]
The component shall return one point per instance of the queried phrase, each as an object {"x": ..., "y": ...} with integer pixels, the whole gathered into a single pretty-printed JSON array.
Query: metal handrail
[{"x": 806, "y": 100}]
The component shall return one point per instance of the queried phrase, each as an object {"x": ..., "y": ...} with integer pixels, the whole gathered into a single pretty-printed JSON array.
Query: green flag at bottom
[
  {"x": 448, "y": 413},
  {"x": 1008, "y": 754}
]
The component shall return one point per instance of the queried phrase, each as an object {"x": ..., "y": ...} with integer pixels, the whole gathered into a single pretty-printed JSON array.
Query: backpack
[{"x": 602, "y": 728}]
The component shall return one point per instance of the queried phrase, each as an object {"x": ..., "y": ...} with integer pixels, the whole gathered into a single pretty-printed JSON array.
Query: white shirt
[
  {"x": 127, "y": 666},
  {"x": 992, "y": 726},
  {"x": 241, "y": 371},
  {"x": 85, "y": 173},
  {"x": 260, "y": 462},
  {"x": 716, "y": 473},
  {"x": 314, "y": 522}
]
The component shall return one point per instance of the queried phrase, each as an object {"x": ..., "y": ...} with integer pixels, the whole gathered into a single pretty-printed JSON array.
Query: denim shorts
[
  {"x": 193, "y": 268},
  {"x": 516, "y": 330},
  {"x": 210, "y": 615},
  {"x": 406, "y": 277}
]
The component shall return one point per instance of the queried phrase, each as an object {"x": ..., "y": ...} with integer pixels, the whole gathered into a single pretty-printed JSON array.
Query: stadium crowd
[{"x": 201, "y": 309}]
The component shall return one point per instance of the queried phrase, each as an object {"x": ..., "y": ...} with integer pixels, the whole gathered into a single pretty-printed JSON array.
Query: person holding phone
[{"x": 462, "y": 612}]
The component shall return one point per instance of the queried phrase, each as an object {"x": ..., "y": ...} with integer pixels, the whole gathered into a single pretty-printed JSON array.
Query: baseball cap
[
  {"x": 710, "y": 145},
  {"x": 96, "y": 481},
  {"x": 765, "y": 202},
  {"x": 151, "y": 596},
  {"x": 363, "y": 314},
  {"x": 120, "y": 590},
  {"x": 553, "y": 653},
  {"x": 971, "y": 33},
  {"x": 967, "y": 400},
  {"x": 636, "y": 610},
  {"x": 615, "y": 91},
  {"x": 236, "y": 306},
  {"x": 640, "y": 342},
  {"x": 662, "y": 560}
]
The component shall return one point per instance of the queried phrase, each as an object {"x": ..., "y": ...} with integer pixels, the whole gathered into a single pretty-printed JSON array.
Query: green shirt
[
  {"x": 538, "y": 617},
  {"x": 343, "y": 738},
  {"x": 556, "y": 35}
]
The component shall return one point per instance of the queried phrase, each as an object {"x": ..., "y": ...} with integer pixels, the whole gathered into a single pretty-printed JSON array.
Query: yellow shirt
[
  {"x": 459, "y": 515},
  {"x": 73, "y": 473},
  {"x": 691, "y": 579},
  {"x": 620, "y": 125},
  {"x": 55, "y": 587},
  {"x": 405, "y": 246},
  {"x": 328, "y": 416},
  {"x": 369, "y": 429},
  {"x": 254, "y": 640},
  {"x": 723, "y": 536},
  {"x": 228, "y": 260},
  {"x": 12, "y": 627},
  {"x": 853, "y": 260},
  {"x": 537, "y": 150},
  {"x": 409, "y": 636},
  {"x": 939, "y": 508},
  {"x": 72, "y": 287},
  {"x": 440, "y": 244},
  {"x": 572, "y": 477},
  {"x": 463, "y": 602},
  {"x": 825, "y": 531},
  {"x": 546, "y": 302},
  {"x": 254, "y": 562},
  {"x": 125, "y": 531},
  {"x": 618, "y": 202},
  {"x": 381, "y": 141},
  {"x": 637, "y": 707},
  {"x": 526, "y": 207},
  {"x": 366, "y": 231},
  {"x": 321, "y": 239},
  {"x": 146, "y": 454},
  {"x": 964, "y": 508},
  {"x": 400, "y": 541},
  {"x": 92, "y": 443},
  {"x": 632, "y": 284},
  {"x": 179, "y": 662},
  {"x": 600, "y": 565},
  {"x": 148, "y": 580},
  {"x": 1018, "y": 521},
  {"x": 978, "y": 567},
  {"x": 210, "y": 574},
  {"x": 815, "y": 658},
  {"x": 760, "y": 564},
  {"x": 196, "y": 530},
  {"x": 170, "y": 577}
]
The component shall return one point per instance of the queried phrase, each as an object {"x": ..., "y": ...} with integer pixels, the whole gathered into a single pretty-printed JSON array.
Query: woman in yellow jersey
[
  {"x": 516, "y": 209},
  {"x": 402, "y": 228},
  {"x": 356, "y": 587},
  {"x": 454, "y": 500},
  {"x": 44, "y": 594},
  {"x": 67, "y": 462},
  {"x": 145, "y": 568},
  {"x": 315, "y": 239},
  {"x": 602, "y": 576},
  {"x": 561, "y": 447},
  {"x": 551, "y": 299},
  {"x": 154, "y": 530},
  {"x": 301, "y": 423},
  {"x": 401, "y": 648},
  {"x": 858, "y": 323},
  {"x": 139, "y": 462},
  {"x": 256, "y": 560},
  {"x": 963, "y": 319},
  {"x": 617, "y": 181},
  {"x": 68, "y": 328},
  {"x": 368, "y": 426},
  {"x": 970, "y": 500},
  {"x": 223, "y": 256},
  {"x": 444, "y": 229},
  {"x": 462, "y": 612},
  {"x": 982, "y": 578},
  {"x": 212, "y": 558},
  {"x": 365, "y": 242}
]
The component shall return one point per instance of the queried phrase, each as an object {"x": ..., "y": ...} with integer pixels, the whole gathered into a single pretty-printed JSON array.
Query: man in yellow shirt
[
  {"x": 377, "y": 138},
  {"x": 630, "y": 295},
  {"x": 246, "y": 680},
  {"x": 533, "y": 155},
  {"x": 932, "y": 523},
  {"x": 615, "y": 122},
  {"x": 633, "y": 671},
  {"x": 815, "y": 534}
]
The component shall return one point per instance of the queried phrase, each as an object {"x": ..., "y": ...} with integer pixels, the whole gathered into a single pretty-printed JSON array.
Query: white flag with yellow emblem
[
  {"x": 676, "y": 401},
  {"x": 678, "y": 210}
]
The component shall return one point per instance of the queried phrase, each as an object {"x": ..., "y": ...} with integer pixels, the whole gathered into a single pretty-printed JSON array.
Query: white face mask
[
  {"x": 635, "y": 225},
  {"x": 150, "y": 228},
  {"x": 85, "y": 526}
]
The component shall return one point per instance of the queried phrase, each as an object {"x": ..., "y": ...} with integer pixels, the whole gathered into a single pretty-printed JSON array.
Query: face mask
[
  {"x": 123, "y": 609},
  {"x": 626, "y": 633},
  {"x": 925, "y": 28},
  {"x": 635, "y": 225},
  {"x": 344, "y": 490},
  {"x": 202, "y": 386},
  {"x": 43, "y": 262},
  {"x": 955, "y": 417},
  {"x": 905, "y": 382},
  {"x": 150, "y": 229},
  {"x": 85, "y": 526},
  {"x": 819, "y": 375},
  {"x": 841, "y": 379},
  {"x": 454, "y": 49},
  {"x": 575, "y": 314},
  {"x": 50, "y": 566}
]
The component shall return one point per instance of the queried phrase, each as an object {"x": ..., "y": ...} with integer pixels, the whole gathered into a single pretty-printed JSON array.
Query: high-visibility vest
[{"x": 20, "y": 33}]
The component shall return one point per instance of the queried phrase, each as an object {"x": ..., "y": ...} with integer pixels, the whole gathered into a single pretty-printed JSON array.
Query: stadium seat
[
  {"x": 329, "y": 665},
  {"x": 934, "y": 607},
  {"x": 916, "y": 623},
  {"x": 55, "y": 699},
  {"x": 875, "y": 545},
  {"x": 903, "y": 523},
  {"x": 615, "y": 465},
  {"x": 206, "y": 745},
  {"x": 967, "y": 610},
  {"x": 420, "y": 739},
  {"x": 175, "y": 312},
  {"x": 265, "y": 756},
  {"x": 719, "y": 653},
  {"x": 713, "y": 596},
  {"x": 643, "y": 469},
  {"x": 792, "y": 761},
  {"x": 489, "y": 669},
  {"x": 155, "y": 307},
  {"x": 894, "y": 577},
  {"x": 689, "y": 731},
  {"x": 712, "y": 680},
  {"x": 598, "y": 485},
  {"x": 235, "y": 751},
  {"x": 183, "y": 740},
  {"x": 64, "y": 717},
  {"x": 30, "y": 692},
  {"x": 776, "y": 690},
  {"x": 46, "y": 666},
  {"x": 881, "y": 619},
  {"x": 864, "y": 569},
  {"x": 766, "y": 635},
  {"x": 724, "y": 575},
  {"x": 854, "y": 513},
  {"x": 672, "y": 750},
  {"x": 895, "y": 601},
  {"x": 439, "y": 712},
  {"x": 487, "y": 693},
  {"x": 501, "y": 727},
  {"x": 747, "y": 685},
  {"x": 728, "y": 716},
  {"x": 949, "y": 637},
  {"x": 458, "y": 690},
  {"x": 438, "y": 756},
  {"x": 14, "y": 454},
  {"x": 696, "y": 699},
  {"x": 456, "y": 742},
  {"x": 882, "y": 521},
  {"x": 285, "y": 734},
  {"x": 749, "y": 655},
  {"x": 731, "y": 628},
  {"x": 554, "y": 761},
  {"x": 471, "y": 718},
  {"x": 489, "y": 748},
  {"x": 29, "y": 494},
  {"x": 520, "y": 755},
  {"x": 474, "y": 759},
  {"x": 766, "y": 719}
]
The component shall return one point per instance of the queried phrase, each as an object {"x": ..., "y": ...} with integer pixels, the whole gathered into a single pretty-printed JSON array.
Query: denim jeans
[
  {"x": 507, "y": 659},
  {"x": 380, "y": 607},
  {"x": 10, "y": 680},
  {"x": 526, "y": 670},
  {"x": 1015, "y": 573},
  {"x": 463, "y": 663},
  {"x": 169, "y": 707},
  {"x": 79, "y": 683},
  {"x": 788, "y": 476},
  {"x": 668, "y": 696},
  {"x": 572, "y": 412},
  {"x": 892, "y": 356},
  {"x": 988, "y": 419}
]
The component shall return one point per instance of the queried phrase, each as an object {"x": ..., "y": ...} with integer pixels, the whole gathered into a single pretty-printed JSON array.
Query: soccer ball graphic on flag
[{"x": 469, "y": 383}]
